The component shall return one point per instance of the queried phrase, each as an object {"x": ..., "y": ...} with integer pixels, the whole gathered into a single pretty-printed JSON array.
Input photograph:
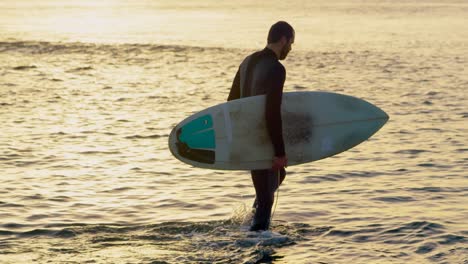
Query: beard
[{"x": 284, "y": 52}]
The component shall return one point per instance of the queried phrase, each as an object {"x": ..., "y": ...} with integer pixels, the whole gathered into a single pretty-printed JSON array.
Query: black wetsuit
[{"x": 262, "y": 74}]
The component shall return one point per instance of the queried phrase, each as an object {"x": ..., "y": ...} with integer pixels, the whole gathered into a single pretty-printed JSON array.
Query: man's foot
[{"x": 258, "y": 227}]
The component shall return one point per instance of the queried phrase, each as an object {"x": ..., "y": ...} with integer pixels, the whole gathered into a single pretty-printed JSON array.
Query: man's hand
[{"x": 280, "y": 162}]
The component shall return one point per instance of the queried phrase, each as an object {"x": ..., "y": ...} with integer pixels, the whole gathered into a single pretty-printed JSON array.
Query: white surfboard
[{"x": 233, "y": 135}]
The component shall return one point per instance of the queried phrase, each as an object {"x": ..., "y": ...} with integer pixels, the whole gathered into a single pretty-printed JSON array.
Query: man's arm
[
  {"x": 235, "y": 89},
  {"x": 274, "y": 96}
]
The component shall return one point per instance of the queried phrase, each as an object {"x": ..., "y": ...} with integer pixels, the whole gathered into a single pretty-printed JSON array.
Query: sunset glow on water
[{"x": 91, "y": 90}]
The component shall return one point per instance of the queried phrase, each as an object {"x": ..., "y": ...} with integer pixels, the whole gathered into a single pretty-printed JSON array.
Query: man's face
[{"x": 286, "y": 48}]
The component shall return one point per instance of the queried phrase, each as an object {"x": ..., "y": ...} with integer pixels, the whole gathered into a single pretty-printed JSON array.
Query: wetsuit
[{"x": 262, "y": 74}]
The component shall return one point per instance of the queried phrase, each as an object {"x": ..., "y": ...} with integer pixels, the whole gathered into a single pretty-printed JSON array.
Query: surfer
[{"x": 261, "y": 73}]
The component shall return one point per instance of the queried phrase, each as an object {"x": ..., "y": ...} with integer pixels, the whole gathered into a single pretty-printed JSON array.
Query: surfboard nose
[
  {"x": 380, "y": 117},
  {"x": 374, "y": 112},
  {"x": 382, "y": 114},
  {"x": 387, "y": 117}
]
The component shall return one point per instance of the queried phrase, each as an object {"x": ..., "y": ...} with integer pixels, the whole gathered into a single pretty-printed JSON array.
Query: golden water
[{"x": 90, "y": 91}]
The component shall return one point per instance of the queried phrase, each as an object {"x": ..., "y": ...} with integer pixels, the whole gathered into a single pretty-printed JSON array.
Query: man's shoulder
[
  {"x": 278, "y": 68},
  {"x": 252, "y": 55}
]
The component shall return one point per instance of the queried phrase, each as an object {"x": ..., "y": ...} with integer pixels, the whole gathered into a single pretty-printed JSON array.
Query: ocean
[{"x": 89, "y": 92}]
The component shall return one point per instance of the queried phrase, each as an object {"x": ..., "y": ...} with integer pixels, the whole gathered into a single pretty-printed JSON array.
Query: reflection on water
[
  {"x": 86, "y": 174},
  {"x": 320, "y": 24}
]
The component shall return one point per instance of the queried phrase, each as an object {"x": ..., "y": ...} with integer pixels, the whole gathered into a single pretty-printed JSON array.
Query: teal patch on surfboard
[
  {"x": 196, "y": 140},
  {"x": 199, "y": 133}
]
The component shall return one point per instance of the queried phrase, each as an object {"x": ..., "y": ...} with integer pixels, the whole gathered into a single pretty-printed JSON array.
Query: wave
[
  {"x": 173, "y": 242},
  {"x": 223, "y": 241},
  {"x": 44, "y": 47},
  {"x": 79, "y": 69},
  {"x": 147, "y": 137},
  {"x": 24, "y": 67},
  {"x": 417, "y": 237},
  {"x": 96, "y": 152}
]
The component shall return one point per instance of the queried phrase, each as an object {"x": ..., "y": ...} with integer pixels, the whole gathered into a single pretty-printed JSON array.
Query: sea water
[{"x": 89, "y": 92}]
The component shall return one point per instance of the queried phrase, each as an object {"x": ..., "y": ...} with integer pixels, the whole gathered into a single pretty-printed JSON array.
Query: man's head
[{"x": 280, "y": 38}]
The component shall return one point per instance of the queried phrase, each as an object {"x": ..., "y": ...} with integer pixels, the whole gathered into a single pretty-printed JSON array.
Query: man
[{"x": 262, "y": 73}]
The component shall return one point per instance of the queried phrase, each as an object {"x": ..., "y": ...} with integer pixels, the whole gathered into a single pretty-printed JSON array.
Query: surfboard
[{"x": 233, "y": 135}]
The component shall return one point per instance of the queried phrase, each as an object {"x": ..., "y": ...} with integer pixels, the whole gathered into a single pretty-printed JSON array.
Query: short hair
[{"x": 278, "y": 30}]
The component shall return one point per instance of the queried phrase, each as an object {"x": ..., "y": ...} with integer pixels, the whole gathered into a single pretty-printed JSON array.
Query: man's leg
[
  {"x": 265, "y": 183},
  {"x": 282, "y": 176}
]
